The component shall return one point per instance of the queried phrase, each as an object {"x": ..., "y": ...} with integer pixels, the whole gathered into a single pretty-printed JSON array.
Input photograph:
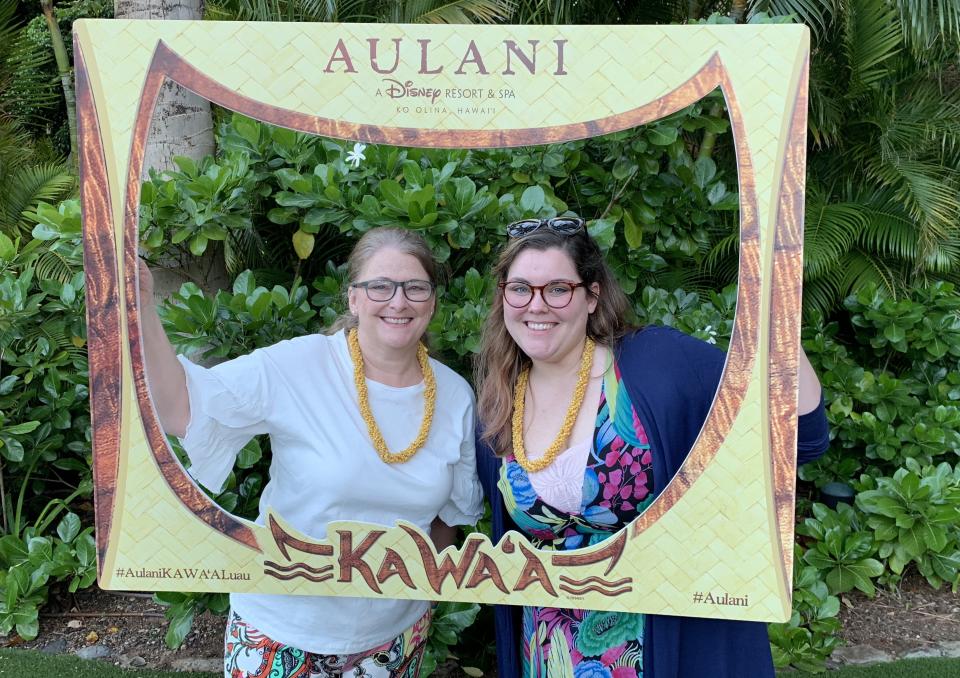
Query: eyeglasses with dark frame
[
  {"x": 555, "y": 294},
  {"x": 562, "y": 225},
  {"x": 383, "y": 289}
]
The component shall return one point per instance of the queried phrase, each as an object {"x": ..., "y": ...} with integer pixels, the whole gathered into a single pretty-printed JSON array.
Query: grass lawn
[
  {"x": 907, "y": 668},
  {"x": 22, "y": 663},
  {"x": 28, "y": 663}
]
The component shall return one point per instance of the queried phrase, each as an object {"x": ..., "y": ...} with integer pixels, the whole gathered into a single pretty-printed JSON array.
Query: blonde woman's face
[
  {"x": 544, "y": 333},
  {"x": 397, "y": 323}
]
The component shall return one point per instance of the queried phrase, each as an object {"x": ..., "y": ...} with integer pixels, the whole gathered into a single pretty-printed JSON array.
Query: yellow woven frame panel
[{"x": 716, "y": 543}]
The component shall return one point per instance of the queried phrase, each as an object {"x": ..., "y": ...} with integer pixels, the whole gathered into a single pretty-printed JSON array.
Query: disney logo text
[{"x": 398, "y": 90}]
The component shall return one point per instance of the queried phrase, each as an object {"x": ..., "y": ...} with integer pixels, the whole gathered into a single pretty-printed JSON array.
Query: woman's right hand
[
  {"x": 145, "y": 277},
  {"x": 165, "y": 376}
]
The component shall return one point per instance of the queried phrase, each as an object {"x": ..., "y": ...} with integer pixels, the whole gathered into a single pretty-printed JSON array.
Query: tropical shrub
[
  {"x": 182, "y": 608},
  {"x": 810, "y": 636},
  {"x": 892, "y": 387},
  {"x": 31, "y": 91},
  {"x": 310, "y": 202},
  {"x": 840, "y": 549},
  {"x": 915, "y": 516},
  {"x": 44, "y": 418}
]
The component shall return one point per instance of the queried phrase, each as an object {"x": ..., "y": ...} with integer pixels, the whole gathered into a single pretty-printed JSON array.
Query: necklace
[
  {"x": 429, "y": 403},
  {"x": 519, "y": 396}
]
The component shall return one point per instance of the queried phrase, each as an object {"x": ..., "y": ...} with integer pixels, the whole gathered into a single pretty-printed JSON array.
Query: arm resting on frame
[{"x": 165, "y": 375}]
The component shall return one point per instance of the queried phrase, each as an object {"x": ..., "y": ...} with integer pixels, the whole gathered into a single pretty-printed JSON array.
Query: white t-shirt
[{"x": 324, "y": 467}]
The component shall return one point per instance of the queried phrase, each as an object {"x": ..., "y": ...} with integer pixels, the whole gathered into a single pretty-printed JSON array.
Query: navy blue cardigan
[{"x": 671, "y": 379}]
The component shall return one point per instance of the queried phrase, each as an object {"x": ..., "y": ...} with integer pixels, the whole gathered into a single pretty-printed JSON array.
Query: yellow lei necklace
[
  {"x": 429, "y": 403},
  {"x": 519, "y": 396}
]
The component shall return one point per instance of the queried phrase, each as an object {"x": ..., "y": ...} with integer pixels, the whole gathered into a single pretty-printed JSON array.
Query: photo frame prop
[{"x": 718, "y": 542}]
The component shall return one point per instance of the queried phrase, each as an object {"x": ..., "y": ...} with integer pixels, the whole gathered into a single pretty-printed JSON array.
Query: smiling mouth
[
  {"x": 397, "y": 321},
  {"x": 539, "y": 327}
]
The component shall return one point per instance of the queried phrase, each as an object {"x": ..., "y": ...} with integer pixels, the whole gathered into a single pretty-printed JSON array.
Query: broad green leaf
[
  {"x": 186, "y": 165},
  {"x": 532, "y": 200},
  {"x": 181, "y": 621},
  {"x": 29, "y": 625},
  {"x": 244, "y": 283},
  {"x": 198, "y": 245},
  {"x": 303, "y": 244},
  {"x": 22, "y": 429},
  {"x": 7, "y": 249},
  {"x": 69, "y": 527},
  {"x": 12, "y": 449},
  {"x": 632, "y": 232},
  {"x": 662, "y": 135},
  {"x": 704, "y": 170},
  {"x": 604, "y": 232}
]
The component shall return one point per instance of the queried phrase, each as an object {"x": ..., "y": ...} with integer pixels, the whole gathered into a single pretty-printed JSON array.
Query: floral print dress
[{"x": 617, "y": 486}]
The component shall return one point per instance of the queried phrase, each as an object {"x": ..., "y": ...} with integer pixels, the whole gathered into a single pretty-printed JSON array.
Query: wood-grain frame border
[{"x": 166, "y": 64}]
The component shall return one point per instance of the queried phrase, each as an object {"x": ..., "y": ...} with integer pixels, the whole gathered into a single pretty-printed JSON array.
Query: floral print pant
[
  {"x": 582, "y": 644},
  {"x": 248, "y": 653}
]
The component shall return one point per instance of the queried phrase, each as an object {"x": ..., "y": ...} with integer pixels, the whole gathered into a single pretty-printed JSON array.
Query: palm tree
[
  {"x": 30, "y": 171},
  {"x": 884, "y": 167},
  {"x": 375, "y": 11},
  {"x": 182, "y": 125}
]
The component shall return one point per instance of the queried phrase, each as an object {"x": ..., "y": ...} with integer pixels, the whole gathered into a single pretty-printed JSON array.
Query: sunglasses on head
[{"x": 562, "y": 225}]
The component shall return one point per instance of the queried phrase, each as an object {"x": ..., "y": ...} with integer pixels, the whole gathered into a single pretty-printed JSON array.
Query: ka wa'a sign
[{"x": 716, "y": 543}]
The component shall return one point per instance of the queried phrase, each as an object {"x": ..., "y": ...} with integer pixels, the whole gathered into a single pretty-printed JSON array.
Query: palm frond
[
  {"x": 57, "y": 333},
  {"x": 9, "y": 24},
  {"x": 815, "y": 14},
  {"x": 457, "y": 11},
  {"x": 916, "y": 119},
  {"x": 26, "y": 186},
  {"x": 861, "y": 269},
  {"x": 31, "y": 90},
  {"x": 830, "y": 230},
  {"x": 823, "y": 294},
  {"x": 927, "y": 191},
  {"x": 243, "y": 249},
  {"x": 827, "y": 112},
  {"x": 15, "y": 147},
  {"x": 890, "y": 234},
  {"x": 691, "y": 279},
  {"x": 722, "y": 253},
  {"x": 52, "y": 265},
  {"x": 337, "y": 10},
  {"x": 942, "y": 257},
  {"x": 872, "y": 38},
  {"x": 929, "y": 25}
]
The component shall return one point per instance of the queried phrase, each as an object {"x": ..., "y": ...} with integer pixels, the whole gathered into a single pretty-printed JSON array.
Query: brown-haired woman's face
[
  {"x": 397, "y": 323},
  {"x": 541, "y": 331}
]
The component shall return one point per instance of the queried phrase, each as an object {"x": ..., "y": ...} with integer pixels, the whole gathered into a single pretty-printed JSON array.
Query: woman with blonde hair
[
  {"x": 364, "y": 426},
  {"x": 584, "y": 421}
]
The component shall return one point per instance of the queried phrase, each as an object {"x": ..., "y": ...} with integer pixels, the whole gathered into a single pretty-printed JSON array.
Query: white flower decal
[{"x": 355, "y": 156}]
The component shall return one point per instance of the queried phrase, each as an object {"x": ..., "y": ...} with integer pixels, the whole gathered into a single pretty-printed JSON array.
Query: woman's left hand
[{"x": 809, "y": 385}]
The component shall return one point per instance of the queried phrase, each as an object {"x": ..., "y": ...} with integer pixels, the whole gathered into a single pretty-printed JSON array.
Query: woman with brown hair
[
  {"x": 363, "y": 425},
  {"x": 584, "y": 421}
]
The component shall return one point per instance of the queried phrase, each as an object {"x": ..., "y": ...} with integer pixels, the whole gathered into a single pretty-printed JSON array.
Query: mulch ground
[
  {"x": 132, "y": 626},
  {"x": 910, "y": 617}
]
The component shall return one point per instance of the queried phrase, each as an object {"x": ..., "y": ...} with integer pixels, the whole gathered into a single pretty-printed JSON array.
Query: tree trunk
[
  {"x": 182, "y": 125},
  {"x": 66, "y": 75}
]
